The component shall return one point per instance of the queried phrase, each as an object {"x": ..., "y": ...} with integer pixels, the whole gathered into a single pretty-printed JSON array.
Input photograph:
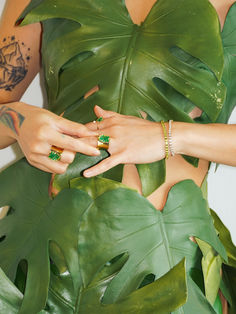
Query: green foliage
[
  {"x": 228, "y": 285},
  {"x": 93, "y": 246},
  {"x": 10, "y": 296},
  {"x": 211, "y": 267},
  {"x": 156, "y": 67},
  {"x": 85, "y": 227}
]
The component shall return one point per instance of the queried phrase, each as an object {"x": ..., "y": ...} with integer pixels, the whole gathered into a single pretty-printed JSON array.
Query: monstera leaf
[
  {"x": 155, "y": 67},
  {"x": 229, "y": 270},
  {"x": 87, "y": 226},
  {"x": 229, "y": 43},
  {"x": 10, "y": 296},
  {"x": 145, "y": 300}
]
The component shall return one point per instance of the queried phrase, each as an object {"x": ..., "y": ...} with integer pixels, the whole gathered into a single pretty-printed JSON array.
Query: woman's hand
[
  {"x": 41, "y": 129},
  {"x": 132, "y": 140}
]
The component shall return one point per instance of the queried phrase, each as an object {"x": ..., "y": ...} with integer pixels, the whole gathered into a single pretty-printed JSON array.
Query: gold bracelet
[{"x": 166, "y": 140}]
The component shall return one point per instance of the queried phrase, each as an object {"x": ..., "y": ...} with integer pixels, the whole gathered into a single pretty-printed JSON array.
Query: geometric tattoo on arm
[
  {"x": 13, "y": 67},
  {"x": 11, "y": 118}
]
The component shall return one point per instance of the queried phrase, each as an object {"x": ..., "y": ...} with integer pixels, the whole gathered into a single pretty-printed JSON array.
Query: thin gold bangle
[{"x": 166, "y": 139}]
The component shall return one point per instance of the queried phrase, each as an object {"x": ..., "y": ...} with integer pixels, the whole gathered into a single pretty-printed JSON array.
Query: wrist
[
  {"x": 180, "y": 137},
  {"x": 11, "y": 120}
]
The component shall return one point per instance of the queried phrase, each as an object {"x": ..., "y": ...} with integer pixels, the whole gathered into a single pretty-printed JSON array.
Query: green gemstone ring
[
  {"x": 100, "y": 119},
  {"x": 103, "y": 141},
  {"x": 56, "y": 156}
]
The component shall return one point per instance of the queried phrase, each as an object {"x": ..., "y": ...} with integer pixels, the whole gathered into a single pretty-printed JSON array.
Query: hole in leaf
[
  {"x": 117, "y": 258},
  {"x": 21, "y": 275},
  {"x": 147, "y": 280},
  {"x": 2, "y": 238},
  {"x": 143, "y": 114},
  {"x": 111, "y": 268},
  {"x": 76, "y": 60},
  {"x": 173, "y": 96},
  {"x": 10, "y": 211},
  {"x": 57, "y": 260},
  {"x": 47, "y": 308},
  {"x": 91, "y": 92},
  {"x": 189, "y": 59}
]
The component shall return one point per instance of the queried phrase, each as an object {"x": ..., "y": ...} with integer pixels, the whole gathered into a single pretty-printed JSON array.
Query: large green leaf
[
  {"x": 226, "y": 239},
  {"x": 10, "y": 296},
  {"x": 34, "y": 222},
  {"x": 156, "y": 67},
  {"x": 211, "y": 267},
  {"x": 86, "y": 226},
  {"x": 228, "y": 287},
  {"x": 166, "y": 294},
  {"x": 172, "y": 230},
  {"x": 229, "y": 276},
  {"x": 229, "y": 43}
]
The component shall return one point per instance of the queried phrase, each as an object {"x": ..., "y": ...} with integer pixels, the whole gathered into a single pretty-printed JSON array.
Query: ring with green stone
[
  {"x": 100, "y": 119},
  {"x": 103, "y": 141},
  {"x": 54, "y": 155}
]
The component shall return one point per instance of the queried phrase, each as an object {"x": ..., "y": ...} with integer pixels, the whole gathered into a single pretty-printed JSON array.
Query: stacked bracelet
[
  {"x": 166, "y": 140},
  {"x": 169, "y": 150},
  {"x": 170, "y": 139}
]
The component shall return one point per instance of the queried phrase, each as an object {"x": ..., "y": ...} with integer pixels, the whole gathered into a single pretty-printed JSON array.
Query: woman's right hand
[{"x": 41, "y": 129}]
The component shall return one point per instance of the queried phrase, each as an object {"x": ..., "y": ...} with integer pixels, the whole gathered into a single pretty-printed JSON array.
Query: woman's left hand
[{"x": 132, "y": 140}]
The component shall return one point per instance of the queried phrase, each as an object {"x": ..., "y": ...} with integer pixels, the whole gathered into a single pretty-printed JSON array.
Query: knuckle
[
  {"x": 30, "y": 161},
  {"x": 71, "y": 158},
  {"x": 35, "y": 148},
  {"x": 116, "y": 129},
  {"x": 40, "y": 133},
  {"x": 30, "y": 158}
]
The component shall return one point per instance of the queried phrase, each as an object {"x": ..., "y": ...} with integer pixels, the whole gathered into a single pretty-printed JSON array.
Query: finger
[
  {"x": 75, "y": 129},
  {"x": 45, "y": 148},
  {"x": 52, "y": 165},
  {"x": 41, "y": 167},
  {"x": 72, "y": 144},
  {"x": 92, "y": 141},
  {"x": 93, "y": 126},
  {"x": 103, "y": 166},
  {"x": 99, "y": 125},
  {"x": 67, "y": 156},
  {"x": 104, "y": 113}
]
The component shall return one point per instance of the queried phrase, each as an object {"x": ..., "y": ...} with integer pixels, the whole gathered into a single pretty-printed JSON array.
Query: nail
[{"x": 88, "y": 174}]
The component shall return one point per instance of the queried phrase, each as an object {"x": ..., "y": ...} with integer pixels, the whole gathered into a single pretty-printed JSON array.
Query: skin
[
  {"x": 36, "y": 129},
  {"x": 41, "y": 129}
]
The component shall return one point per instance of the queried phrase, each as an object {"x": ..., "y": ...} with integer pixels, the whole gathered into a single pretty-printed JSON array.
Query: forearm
[
  {"x": 213, "y": 142},
  {"x": 10, "y": 123}
]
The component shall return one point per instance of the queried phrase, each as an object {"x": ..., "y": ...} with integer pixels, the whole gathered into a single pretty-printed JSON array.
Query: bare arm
[
  {"x": 213, "y": 142},
  {"x": 19, "y": 63},
  {"x": 135, "y": 140},
  {"x": 35, "y": 129}
]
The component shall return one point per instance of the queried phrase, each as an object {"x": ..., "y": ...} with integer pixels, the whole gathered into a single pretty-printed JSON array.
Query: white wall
[{"x": 222, "y": 184}]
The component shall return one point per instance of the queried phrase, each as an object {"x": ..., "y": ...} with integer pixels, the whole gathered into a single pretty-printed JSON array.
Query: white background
[{"x": 221, "y": 185}]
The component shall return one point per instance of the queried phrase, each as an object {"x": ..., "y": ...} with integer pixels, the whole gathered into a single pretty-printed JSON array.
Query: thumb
[{"x": 103, "y": 113}]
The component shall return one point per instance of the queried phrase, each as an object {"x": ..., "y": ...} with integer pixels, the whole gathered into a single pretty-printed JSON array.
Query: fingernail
[
  {"x": 87, "y": 174},
  {"x": 97, "y": 152}
]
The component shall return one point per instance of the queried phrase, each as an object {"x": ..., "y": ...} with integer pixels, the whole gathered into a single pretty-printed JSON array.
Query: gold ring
[
  {"x": 103, "y": 142},
  {"x": 100, "y": 119},
  {"x": 55, "y": 153}
]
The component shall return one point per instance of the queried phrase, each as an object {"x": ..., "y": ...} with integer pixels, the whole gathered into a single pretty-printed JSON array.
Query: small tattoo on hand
[{"x": 11, "y": 118}]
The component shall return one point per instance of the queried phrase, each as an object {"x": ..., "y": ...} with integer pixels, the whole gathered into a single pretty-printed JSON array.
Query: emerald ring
[
  {"x": 55, "y": 153},
  {"x": 100, "y": 119},
  {"x": 103, "y": 141}
]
